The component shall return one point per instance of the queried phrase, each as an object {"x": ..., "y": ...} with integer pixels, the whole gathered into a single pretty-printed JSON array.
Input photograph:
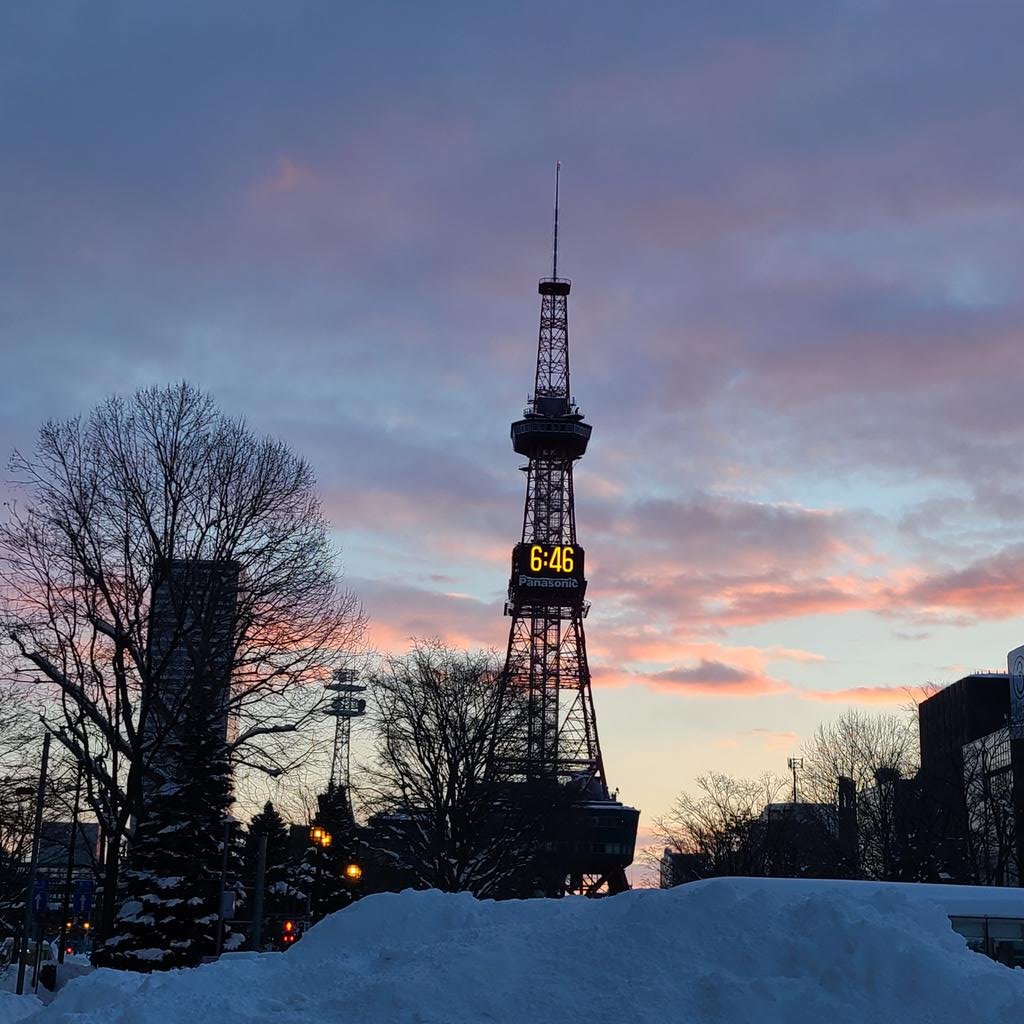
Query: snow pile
[
  {"x": 16, "y": 1008},
  {"x": 726, "y": 950}
]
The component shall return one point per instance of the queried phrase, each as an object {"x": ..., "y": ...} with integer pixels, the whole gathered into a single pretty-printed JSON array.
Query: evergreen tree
[
  {"x": 168, "y": 910},
  {"x": 323, "y": 868},
  {"x": 235, "y": 882},
  {"x": 282, "y": 898}
]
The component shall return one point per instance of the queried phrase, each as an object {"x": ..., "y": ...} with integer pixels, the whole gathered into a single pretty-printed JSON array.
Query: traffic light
[{"x": 288, "y": 935}]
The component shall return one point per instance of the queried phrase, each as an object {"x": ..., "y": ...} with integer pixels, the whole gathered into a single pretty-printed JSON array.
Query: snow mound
[
  {"x": 16, "y": 1008},
  {"x": 715, "y": 952}
]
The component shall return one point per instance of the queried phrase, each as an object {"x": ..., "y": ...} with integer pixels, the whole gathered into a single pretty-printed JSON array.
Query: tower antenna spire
[{"x": 554, "y": 260}]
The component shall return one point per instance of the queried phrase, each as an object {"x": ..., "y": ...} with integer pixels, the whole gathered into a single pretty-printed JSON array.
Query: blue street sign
[
  {"x": 81, "y": 896},
  {"x": 39, "y": 895}
]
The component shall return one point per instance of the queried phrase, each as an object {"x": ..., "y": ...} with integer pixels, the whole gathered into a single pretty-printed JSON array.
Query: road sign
[
  {"x": 40, "y": 895},
  {"x": 81, "y": 896},
  {"x": 1015, "y": 666}
]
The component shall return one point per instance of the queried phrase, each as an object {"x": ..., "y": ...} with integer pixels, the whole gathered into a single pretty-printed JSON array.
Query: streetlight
[
  {"x": 353, "y": 872},
  {"x": 320, "y": 836}
]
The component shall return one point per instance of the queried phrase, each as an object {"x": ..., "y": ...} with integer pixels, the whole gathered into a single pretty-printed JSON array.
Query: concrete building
[
  {"x": 677, "y": 868},
  {"x": 972, "y": 773},
  {"x": 960, "y": 713},
  {"x": 191, "y": 650}
]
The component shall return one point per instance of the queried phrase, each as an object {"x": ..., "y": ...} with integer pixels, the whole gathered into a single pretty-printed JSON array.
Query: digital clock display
[
  {"x": 556, "y": 557},
  {"x": 547, "y": 574}
]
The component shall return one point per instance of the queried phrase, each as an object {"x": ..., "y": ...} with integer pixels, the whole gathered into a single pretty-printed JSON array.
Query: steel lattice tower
[{"x": 547, "y": 654}]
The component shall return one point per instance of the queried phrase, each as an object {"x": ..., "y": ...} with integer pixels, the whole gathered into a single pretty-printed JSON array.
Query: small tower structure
[{"x": 344, "y": 705}]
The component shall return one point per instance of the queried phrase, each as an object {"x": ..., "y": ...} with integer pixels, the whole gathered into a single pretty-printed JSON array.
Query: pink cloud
[
  {"x": 768, "y": 738},
  {"x": 992, "y": 587},
  {"x": 884, "y": 695},
  {"x": 399, "y": 612},
  {"x": 716, "y": 679},
  {"x": 794, "y": 654},
  {"x": 704, "y": 679},
  {"x": 289, "y": 176}
]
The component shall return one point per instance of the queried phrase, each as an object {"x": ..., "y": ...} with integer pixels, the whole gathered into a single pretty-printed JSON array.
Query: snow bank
[
  {"x": 16, "y": 1008},
  {"x": 716, "y": 952}
]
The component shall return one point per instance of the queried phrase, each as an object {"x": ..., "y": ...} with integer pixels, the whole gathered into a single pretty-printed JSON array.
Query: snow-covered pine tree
[
  {"x": 235, "y": 882},
  {"x": 168, "y": 898},
  {"x": 281, "y": 897},
  {"x": 323, "y": 870}
]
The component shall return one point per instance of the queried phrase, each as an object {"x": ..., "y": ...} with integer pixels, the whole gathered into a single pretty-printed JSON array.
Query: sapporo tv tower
[{"x": 588, "y": 846}]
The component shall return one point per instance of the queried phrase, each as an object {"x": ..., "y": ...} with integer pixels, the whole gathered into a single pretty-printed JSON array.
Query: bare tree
[
  {"x": 991, "y": 848},
  {"x": 443, "y": 721},
  {"x": 857, "y": 744},
  {"x": 879, "y": 752},
  {"x": 139, "y": 499},
  {"x": 750, "y": 827},
  {"x": 21, "y": 736},
  {"x": 723, "y": 824},
  {"x": 19, "y": 768}
]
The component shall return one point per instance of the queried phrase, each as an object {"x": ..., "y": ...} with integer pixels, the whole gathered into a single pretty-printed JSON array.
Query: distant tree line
[{"x": 900, "y": 826}]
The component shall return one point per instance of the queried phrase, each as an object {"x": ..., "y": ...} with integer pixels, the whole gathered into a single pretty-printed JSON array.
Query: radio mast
[{"x": 547, "y": 654}]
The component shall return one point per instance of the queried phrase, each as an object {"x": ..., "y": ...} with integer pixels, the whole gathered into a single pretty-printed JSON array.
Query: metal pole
[
  {"x": 228, "y": 822},
  {"x": 72, "y": 845},
  {"x": 38, "y": 960},
  {"x": 26, "y": 928},
  {"x": 257, "y": 902},
  {"x": 315, "y": 902}
]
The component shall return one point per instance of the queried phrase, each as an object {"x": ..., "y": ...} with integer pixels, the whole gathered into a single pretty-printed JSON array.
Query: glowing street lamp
[
  {"x": 353, "y": 872},
  {"x": 320, "y": 836}
]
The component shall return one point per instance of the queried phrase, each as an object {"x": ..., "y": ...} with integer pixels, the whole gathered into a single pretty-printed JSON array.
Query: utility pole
[
  {"x": 257, "y": 902},
  {"x": 30, "y": 890}
]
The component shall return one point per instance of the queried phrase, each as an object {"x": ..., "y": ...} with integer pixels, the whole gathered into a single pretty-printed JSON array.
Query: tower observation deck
[{"x": 591, "y": 838}]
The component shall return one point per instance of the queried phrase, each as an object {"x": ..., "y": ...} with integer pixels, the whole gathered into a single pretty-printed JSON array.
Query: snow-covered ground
[{"x": 725, "y": 950}]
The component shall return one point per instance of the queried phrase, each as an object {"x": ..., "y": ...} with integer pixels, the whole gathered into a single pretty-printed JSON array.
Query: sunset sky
[{"x": 796, "y": 237}]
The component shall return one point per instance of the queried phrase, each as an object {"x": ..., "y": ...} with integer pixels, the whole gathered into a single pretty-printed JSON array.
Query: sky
[{"x": 796, "y": 238}]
